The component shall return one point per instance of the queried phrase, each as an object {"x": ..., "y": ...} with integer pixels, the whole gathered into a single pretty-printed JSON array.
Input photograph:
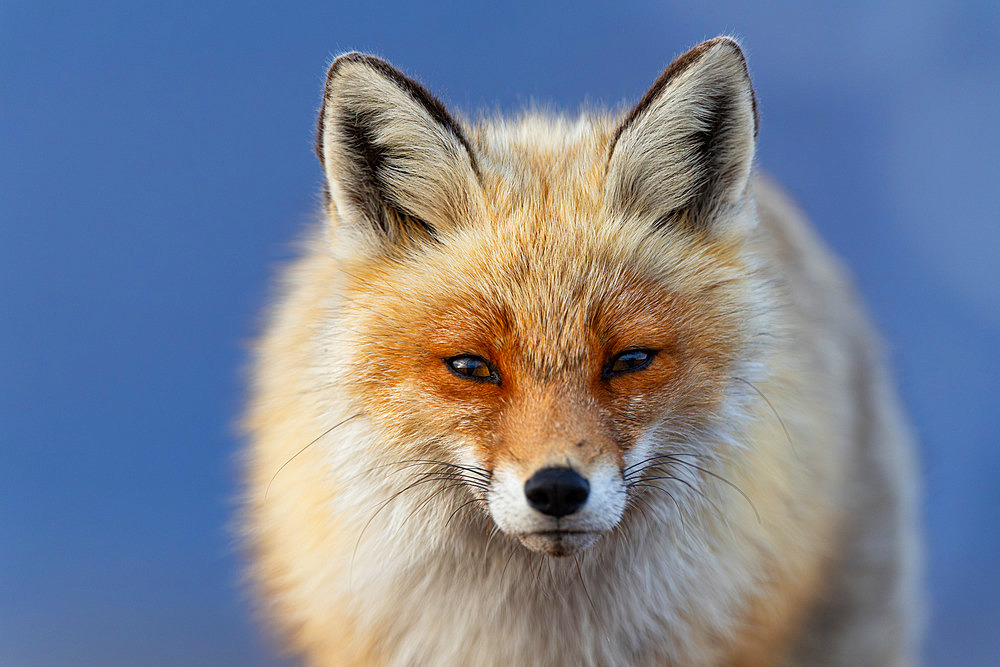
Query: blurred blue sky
[{"x": 156, "y": 161}]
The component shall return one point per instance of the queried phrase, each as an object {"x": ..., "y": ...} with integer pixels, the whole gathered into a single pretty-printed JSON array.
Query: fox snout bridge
[{"x": 557, "y": 491}]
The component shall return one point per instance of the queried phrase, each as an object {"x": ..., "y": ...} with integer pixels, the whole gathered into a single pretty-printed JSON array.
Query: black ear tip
[
  {"x": 724, "y": 43},
  {"x": 336, "y": 69},
  {"x": 351, "y": 56},
  {"x": 727, "y": 41},
  {"x": 355, "y": 58},
  {"x": 732, "y": 45}
]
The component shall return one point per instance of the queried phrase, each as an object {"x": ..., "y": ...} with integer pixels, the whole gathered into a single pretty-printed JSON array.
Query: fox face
[{"x": 553, "y": 326}]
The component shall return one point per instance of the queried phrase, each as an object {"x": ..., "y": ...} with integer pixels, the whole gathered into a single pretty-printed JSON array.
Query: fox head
[{"x": 558, "y": 314}]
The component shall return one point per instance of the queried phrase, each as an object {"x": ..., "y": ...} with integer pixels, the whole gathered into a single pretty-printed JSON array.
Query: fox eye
[
  {"x": 473, "y": 367},
  {"x": 628, "y": 361}
]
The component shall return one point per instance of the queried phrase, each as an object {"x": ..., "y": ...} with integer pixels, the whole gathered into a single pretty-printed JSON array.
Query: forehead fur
[
  {"x": 546, "y": 264},
  {"x": 545, "y": 166}
]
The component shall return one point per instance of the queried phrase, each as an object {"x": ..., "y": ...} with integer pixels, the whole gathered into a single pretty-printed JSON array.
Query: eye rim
[
  {"x": 492, "y": 378},
  {"x": 608, "y": 371}
]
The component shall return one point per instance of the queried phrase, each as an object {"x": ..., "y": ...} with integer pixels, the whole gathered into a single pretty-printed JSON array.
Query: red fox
[{"x": 573, "y": 391}]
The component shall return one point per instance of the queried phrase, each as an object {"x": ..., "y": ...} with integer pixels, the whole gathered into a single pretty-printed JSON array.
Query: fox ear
[
  {"x": 397, "y": 164},
  {"x": 682, "y": 156}
]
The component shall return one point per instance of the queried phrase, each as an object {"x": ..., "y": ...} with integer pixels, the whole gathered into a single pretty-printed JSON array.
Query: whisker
[
  {"x": 513, "y": 550},
  {"x": 427, "y": 500},
  {"x": 660, "y": 488},
  {"x": 586, "y": 591},
  {"x": 775, "y": 412},
  {"x": 454, "y": 475},
  {"x": 625, "y": 471},
  {"x": 633, "y": 503},
  {"x": 412, "y": 463},
  {"x": 458, "y": 509},
  {"x": 429, "y": 477},
  {"x": 724, "y": 481},
  {"x": 294, "y": 456},
  {"x": 696, "y": 490},
  {"x": 381, "y": 507}
]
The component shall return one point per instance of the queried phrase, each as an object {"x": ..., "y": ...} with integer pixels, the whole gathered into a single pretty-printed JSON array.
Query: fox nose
[{"x": 557, "y": 491}]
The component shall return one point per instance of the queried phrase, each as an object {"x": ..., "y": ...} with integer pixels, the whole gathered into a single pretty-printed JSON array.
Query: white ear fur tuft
[
  {"x": 683, "y": 154},
  {"x": 395, "y": 160}
]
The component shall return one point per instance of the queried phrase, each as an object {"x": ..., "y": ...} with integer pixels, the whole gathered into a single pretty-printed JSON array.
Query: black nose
[{"x": 557, "y": 491}]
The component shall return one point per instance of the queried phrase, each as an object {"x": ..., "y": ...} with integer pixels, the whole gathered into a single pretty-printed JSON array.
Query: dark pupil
[
  {"x": 471, "y": 366},
  {"x": 626, "y": 361}
]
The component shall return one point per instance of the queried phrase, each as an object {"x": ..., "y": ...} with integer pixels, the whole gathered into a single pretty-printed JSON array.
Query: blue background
[{"x": 156, "y": 161}]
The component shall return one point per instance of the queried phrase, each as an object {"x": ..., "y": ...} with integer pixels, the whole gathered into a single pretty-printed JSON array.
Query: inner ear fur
[
  {"x": 396, "y": 162},
  {"x": 683, "y": 154}
]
